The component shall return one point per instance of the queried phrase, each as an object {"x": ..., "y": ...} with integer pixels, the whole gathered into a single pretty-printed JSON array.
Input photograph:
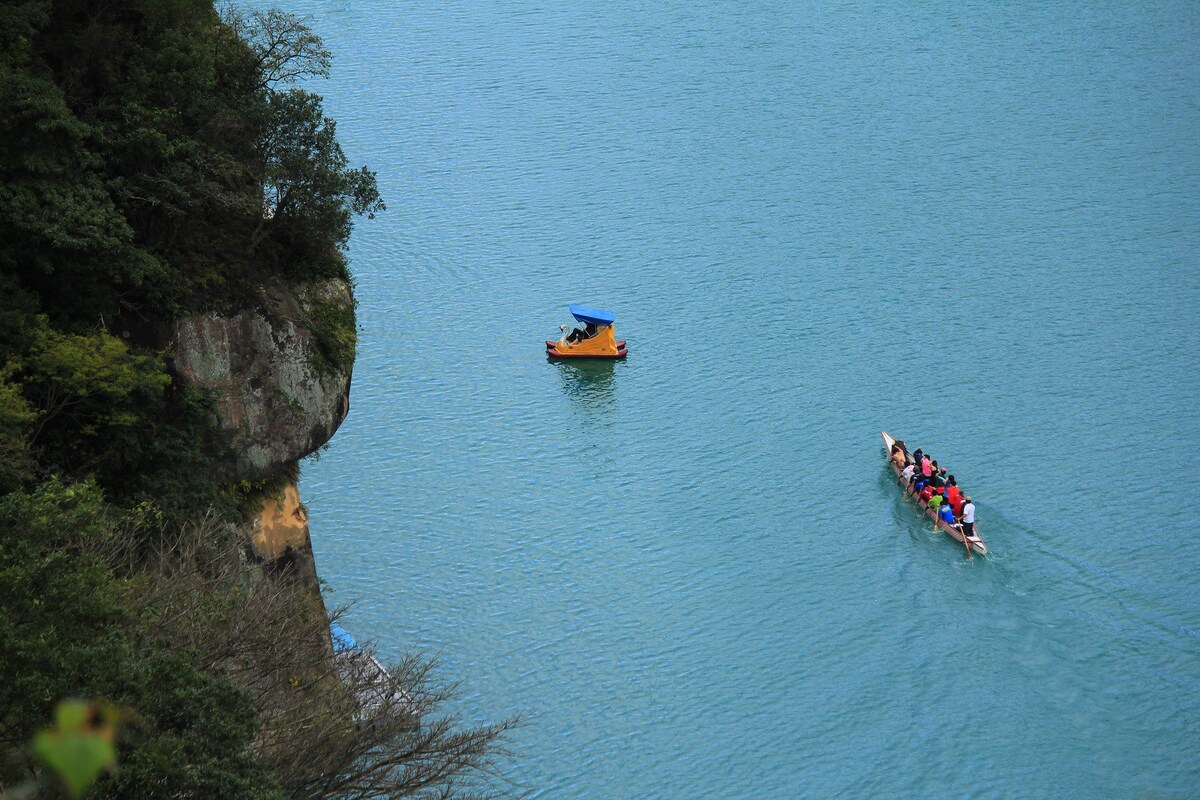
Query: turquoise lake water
[{"x": 973, "y": 225}]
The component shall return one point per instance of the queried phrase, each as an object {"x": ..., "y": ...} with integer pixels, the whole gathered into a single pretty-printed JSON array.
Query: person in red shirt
[
  {"x": 958, "y": 502},
  {"x": 953, "y": 493},
  {"x": 927, "y": 493}
]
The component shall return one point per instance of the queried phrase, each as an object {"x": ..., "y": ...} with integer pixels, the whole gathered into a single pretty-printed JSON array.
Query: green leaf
[{"x": 80, "y": 745}]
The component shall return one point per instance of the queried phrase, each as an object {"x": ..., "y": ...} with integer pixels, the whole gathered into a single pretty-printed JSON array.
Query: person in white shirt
[
  {"x": 907, "y": 476},
  {"x": 968, "y": 518}
]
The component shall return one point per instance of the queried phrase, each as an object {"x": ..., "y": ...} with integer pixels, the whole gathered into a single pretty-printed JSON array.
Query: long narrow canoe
[{"x": 953, "y": 530}]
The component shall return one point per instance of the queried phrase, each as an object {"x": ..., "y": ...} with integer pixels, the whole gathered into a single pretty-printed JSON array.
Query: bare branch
[
  {"x": 284, "y": 46},
  {"x": 330, "y": 725}
]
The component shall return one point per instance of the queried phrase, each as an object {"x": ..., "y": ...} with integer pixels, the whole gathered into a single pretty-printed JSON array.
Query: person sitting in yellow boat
[
  {"x": 594, "y": 339},
  {"x": 579, "y": 334}
]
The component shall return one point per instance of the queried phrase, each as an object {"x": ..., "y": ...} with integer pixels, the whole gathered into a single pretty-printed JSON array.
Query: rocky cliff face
[
  {"x": 277, "y": 536},
  {"x": 279, "y": 372}
]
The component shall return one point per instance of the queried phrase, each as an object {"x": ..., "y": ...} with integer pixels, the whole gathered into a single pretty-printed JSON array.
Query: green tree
[
  {"x": 309, "y": 193},
  {"x": 86, "y": 389},
  {"x": 16, "y": 420},
  {"x": 63, "y": 234},
  {"x": 73, "y": 369}
]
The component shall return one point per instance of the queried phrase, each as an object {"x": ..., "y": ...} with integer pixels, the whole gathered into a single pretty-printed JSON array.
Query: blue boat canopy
[
  {"x": 595, "y": 316},
  {"x": 343, "y": 642}
]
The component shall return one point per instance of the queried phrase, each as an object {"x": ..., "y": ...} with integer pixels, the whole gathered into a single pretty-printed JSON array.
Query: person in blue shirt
[{"x": 946, "y": 514}]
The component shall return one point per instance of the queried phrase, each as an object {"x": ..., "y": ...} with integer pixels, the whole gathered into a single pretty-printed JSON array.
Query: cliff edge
[{"x": 278, "y": 372}]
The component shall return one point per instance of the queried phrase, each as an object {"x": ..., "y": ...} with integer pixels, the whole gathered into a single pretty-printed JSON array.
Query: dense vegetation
[{"x": 157, "y": 158}]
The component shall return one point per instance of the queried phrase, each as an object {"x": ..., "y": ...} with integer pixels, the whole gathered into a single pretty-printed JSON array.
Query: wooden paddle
[{"x": 966, "y": 541}]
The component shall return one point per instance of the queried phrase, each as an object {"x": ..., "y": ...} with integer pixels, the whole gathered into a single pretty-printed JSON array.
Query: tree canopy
[{"x": 154, "y": 155}]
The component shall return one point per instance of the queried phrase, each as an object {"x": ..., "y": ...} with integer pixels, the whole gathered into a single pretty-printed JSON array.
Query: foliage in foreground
[{"x": 230, "y": 687}]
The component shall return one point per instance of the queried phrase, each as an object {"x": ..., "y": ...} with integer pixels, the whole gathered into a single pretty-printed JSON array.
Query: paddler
[
  {"x": 968, "y": 518},
  {"x": 953, "y": 494},
  {"x": 938, "y": 478}
]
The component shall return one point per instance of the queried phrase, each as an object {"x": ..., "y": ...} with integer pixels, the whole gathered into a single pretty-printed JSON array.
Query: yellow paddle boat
[{"x": 596, "y": 339}]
